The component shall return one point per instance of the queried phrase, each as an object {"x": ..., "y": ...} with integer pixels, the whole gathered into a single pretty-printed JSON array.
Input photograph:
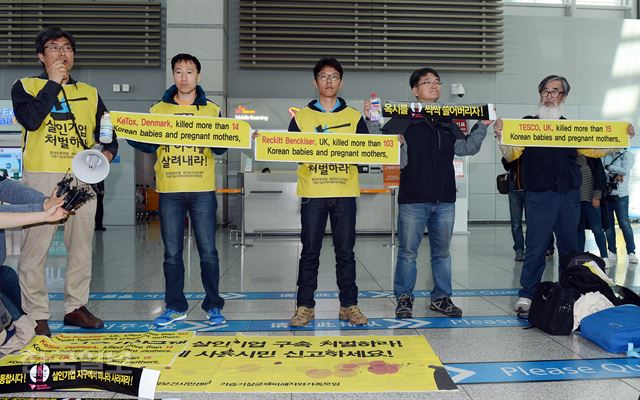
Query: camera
[
  {"x": 75, "y": 196},
  {"x": 458, "y": 89},
  {"x": 612, "y": 183}
]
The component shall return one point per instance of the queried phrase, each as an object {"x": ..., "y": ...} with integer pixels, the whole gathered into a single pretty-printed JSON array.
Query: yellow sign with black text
[
  {"x": 241, "y": 364},
  {"x": 182, "y": 130},
  {"x": 308, "y": 364},
  {"x": 565, "y": 133},
  {"x": 147, "y": 349},
  {"x": 329, "y": 148}
]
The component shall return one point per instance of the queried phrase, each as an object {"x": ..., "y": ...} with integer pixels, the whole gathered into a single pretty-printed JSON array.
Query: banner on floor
[
  {"x": 150, "y": 349},
  {"x": 332, "y": 148},
  {"x": 565, "y": 133},
  {"x": 312, "y": 364},
  {"x": 255, "y": 364},
  {"x": 48, "y": 376},
  {"x": 182, "y": 130},
  {"x": 416, "y": 109}
]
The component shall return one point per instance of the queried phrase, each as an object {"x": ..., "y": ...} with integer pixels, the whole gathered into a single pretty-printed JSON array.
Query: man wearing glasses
[
  {"x": 552, "y": 179},
  {"x": 428, "y": 193},
  {"x": 60, "y": 117},
  {"x": 328, "y": 191}
]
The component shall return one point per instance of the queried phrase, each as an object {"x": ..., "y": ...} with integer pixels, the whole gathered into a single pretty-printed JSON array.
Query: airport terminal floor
[{"x": 487, "y": 352}]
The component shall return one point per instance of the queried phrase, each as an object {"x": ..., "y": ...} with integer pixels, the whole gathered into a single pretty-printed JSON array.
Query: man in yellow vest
[
  {"x": 328, "y": 191},
  {"x": 186, "y": 182},
  {"x": 60, "y": 117}
]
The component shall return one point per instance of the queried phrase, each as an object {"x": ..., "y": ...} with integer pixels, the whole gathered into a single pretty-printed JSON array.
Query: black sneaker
[
  {"x": 446, "y": 306},
  {"x": 404, "y": 309}
]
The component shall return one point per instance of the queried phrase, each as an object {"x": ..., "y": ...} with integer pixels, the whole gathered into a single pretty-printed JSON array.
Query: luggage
[
  {"x": 552, "y": 308},
  {"x": 589, "y": 278},
  {"x": 614, "y": 328}
]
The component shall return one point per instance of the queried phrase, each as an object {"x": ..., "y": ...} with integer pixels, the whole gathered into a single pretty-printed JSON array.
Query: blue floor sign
[
  {"x": 540, "y": 371},
  {"x": 317, "y": 325},
  {"x": 363, "y": 294}
]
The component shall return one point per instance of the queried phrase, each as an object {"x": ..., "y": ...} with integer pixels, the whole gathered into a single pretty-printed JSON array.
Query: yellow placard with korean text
[
  {"x": 242, "y": 364},
  {"x": 148, "y": 349},
  {"x": 308, "y": 364},
  {"x": 182, "y": 130},
  {"x": 565, "y": 133},
  {"x": 327, "y": 148}
]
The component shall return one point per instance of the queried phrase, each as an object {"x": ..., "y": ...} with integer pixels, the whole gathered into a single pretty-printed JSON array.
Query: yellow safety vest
[
  {"x": 53, "y": 145},
  {"x": 185, "y": 168},
  {"x": 328, "y": 180}
]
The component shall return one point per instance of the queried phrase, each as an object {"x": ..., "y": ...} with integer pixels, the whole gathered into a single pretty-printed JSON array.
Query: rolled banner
[
  {"x": 140, "y": 382},
  {"x": 416, "y": 109}
]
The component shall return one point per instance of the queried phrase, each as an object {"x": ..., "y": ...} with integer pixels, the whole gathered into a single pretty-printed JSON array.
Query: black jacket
[
  {"x": 599, "y": 176},
  {"x": 515, "y": 173},
  {"x": 550, "y": 168},
  {"x": 31, "y": 111},
  {"x": 429, "y": 175}
]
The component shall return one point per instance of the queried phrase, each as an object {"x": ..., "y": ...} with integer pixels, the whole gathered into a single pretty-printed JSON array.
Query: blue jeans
[
  {"x": 202, "y": 212},
  {"x": 621, "y": 207},
  {"x": 438, "y": 218},
  {"x": 516, "y": 209},
  {"x": 548, "y": 212},
  {"x": 10, "y": 291},
  {"x": 590, "y": 218},
  {"x": 314, "y": 212}
]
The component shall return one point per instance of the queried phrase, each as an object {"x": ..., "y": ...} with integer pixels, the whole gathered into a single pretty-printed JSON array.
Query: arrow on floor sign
[
  {"x": 406, "y": 323},
  {"x": 461, "y": 374},
  {"x": 375, "y": 295},
  {"x": 194, "y": 326},
  {"x": 232, "y": 296}
]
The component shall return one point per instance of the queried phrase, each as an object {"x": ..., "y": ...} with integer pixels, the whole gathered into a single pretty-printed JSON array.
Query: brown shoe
[
  {"x": 83, "y": 318},
  {"x": 353, "y": 315},
  {"x": 303, "y": 316},
  {"x": 42, "y": 327}
]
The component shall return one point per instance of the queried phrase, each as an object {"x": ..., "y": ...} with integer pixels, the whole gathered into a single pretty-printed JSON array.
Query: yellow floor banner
[
  {"x": 148, "y": 349},
  {"x": 327, "y": 148},
  {"x": 182, "y": 130},
  {"x": 244, "y": 364},
  {"x": 565, "y": 133}
]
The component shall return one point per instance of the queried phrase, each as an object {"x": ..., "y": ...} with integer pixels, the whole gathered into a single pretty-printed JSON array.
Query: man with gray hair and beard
[{"x": 552, "y": 179}]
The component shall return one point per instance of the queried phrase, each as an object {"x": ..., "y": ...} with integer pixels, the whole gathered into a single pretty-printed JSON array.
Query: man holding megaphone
[{"x": 60, "y": 118}]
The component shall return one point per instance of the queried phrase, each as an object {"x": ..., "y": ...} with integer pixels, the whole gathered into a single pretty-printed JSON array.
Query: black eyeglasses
[
  {"x": 55, "y": 48},
  {"x": 552, "y": 93},
  {"x": 436, "y": 82}
]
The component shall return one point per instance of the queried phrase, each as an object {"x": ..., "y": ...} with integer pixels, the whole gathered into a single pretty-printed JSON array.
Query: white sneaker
[
  {"x": 522, "y": 305},
  {"x": 632, "y": 258},
  {"x": 612, "y": 256}
]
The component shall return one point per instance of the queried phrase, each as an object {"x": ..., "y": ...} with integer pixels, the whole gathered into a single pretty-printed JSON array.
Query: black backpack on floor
[{"x": 551, "y": 308}]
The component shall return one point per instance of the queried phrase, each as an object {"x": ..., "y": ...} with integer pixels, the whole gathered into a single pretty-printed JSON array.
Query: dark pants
[
  {"x": 10, "y": 291},
  {"x": 342, "y": 215},
  {"x": 100, "y": 205},
  {"x": 590, "y": 218},
  {"x": 202, "y": 212},
  {"x": 548, "y": 212},
  {"x": 516, "y": 210}
]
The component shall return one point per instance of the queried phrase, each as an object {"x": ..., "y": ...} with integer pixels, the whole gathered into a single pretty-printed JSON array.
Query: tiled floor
[{"x": 129, "y": 259}]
